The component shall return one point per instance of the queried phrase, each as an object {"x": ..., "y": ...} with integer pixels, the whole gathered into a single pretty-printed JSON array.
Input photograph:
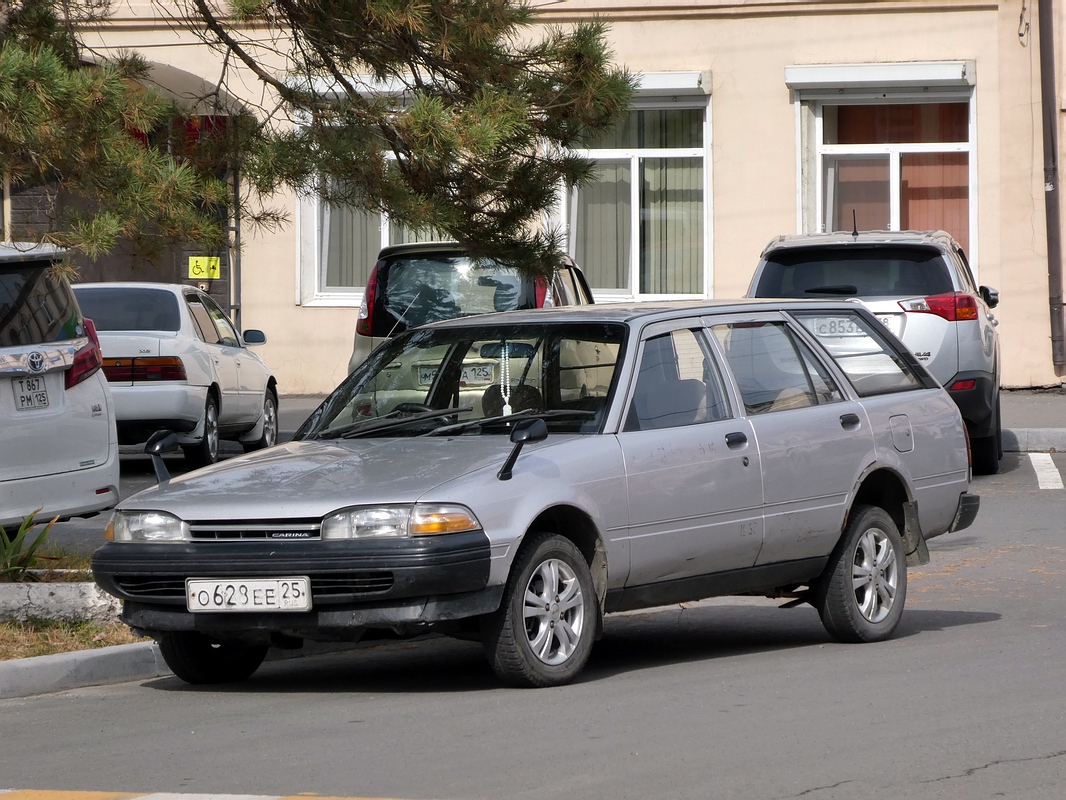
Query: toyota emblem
[{"x": 35, "y": 361}]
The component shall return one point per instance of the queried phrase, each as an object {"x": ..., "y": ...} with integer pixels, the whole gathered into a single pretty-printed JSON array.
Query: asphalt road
[{"x": 727, "y": 699}]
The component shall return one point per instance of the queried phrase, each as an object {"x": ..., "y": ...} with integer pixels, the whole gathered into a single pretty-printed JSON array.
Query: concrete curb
[
  {"x": 1034, "y": 440},
  {"x": 25, "y": 677}
]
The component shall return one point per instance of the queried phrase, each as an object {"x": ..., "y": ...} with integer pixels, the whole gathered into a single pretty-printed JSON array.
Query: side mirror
[
  {"x": 253, "y": 336},
  {"x": 158, "y": 443},
  {"x": 990, "y": 296},
  {"x": 526, "y": 430}
]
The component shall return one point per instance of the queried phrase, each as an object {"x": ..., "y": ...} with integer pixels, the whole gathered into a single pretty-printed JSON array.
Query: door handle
[
  {"x": 849, "y": 421},
  {"x": 735, "y": 441}
]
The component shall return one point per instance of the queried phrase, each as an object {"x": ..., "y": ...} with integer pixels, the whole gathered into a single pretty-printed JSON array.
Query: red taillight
[
  {"x": 87, "y": 360},
  {"x": 366, "y": 310},
  {"x": 962, "y": 386},
  {"x": 951, "y": 306},
  {"x": 160, "y": 368},
  {"x": 540, "y": 287}
]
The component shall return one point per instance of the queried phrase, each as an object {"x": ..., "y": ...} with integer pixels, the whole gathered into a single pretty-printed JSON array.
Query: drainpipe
[
  {"x": 7, "y": 206},
  {"x": 1049, "y": 103}
]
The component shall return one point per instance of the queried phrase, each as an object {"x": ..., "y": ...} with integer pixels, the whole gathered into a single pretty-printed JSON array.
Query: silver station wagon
[{"x": 515, "y": 477}]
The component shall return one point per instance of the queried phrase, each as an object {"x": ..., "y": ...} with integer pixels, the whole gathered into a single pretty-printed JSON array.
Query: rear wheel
[
  {"x": 270, "y": 424},
  {"x": 861, "y": 593},
  {"x": 206, "y": 452},
  {"x": 988, "y": 450},
  {"x": 542, "y": 633},
  {"x": 197, "y": 658}
]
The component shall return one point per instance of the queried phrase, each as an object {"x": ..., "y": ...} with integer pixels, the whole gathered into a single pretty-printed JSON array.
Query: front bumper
[{"x": 354, "y": 583}]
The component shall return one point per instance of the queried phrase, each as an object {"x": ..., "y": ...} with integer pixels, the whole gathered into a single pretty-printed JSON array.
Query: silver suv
[
  {"x": 919, "y": 285},
  {"x": 413, "y": 284},
  {"x": 59, "y": 448}
]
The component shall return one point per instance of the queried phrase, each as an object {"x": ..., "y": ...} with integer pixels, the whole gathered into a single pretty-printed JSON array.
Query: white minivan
[{"x": 59, "y": 445}]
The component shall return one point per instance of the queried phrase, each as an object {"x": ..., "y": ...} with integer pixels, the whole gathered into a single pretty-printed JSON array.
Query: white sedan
[{"x": 174, "y": 360}]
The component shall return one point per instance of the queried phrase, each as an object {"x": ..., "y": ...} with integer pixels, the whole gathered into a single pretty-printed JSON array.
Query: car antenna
[{"x": 854, "y": 224}]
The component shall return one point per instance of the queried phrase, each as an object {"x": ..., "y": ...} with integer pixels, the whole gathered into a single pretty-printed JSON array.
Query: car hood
[{"x": 310, "y": 479}]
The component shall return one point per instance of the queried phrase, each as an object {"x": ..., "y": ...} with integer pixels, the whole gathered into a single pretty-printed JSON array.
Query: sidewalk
[{"x": 1034, "y": 420}]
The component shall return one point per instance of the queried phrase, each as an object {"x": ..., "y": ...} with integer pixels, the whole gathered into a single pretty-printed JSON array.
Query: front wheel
[
  {"x": 861, "y": 593},
  {"x": 542, "y": 633},
  {"x": 197, "y": 658}
]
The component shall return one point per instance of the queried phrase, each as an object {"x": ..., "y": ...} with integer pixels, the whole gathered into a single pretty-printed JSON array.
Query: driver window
[{"x": 677, "y": 384}]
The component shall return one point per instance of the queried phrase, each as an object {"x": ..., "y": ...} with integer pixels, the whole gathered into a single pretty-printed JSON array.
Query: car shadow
[{"x": 630, "y": 643}]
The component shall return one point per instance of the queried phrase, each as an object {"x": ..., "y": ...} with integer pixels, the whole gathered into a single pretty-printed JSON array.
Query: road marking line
[
  {"x": 42, "y": 794},
  {"x": 1047, "y": 474}
]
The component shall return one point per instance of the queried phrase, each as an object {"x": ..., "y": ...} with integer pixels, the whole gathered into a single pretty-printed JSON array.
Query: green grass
[{"x": 44, "y": 637}]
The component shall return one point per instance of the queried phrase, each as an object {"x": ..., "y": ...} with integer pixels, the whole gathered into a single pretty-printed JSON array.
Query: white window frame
[
  {"x": 816, "y": 86},
  {"x": 657, "y": 91}
]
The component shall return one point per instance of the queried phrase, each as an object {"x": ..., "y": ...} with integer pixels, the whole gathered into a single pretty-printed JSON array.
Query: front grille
[
  {"x": 295, "y": 530},
  {"x": 332, "y": 587}
]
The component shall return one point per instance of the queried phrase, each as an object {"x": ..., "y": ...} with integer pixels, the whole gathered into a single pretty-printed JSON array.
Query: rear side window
[
  {"x": 129, "y": 309},
  {"x": 860, "y": 349},
  {"x": 36, "y": 306},
  {"x": 855, "y": 271},
  {"x": 414, "y": 291}
]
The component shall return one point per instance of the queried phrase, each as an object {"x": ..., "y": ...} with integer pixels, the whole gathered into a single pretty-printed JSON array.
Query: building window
[
  {"x": 903, "y": 166},
  {"x": 887, "y": 146},
  {"x": 338, "y": 248},
  {"x": 641, "y": 227}
]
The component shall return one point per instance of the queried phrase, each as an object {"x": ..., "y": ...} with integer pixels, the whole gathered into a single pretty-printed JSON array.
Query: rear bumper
[
  {"x": 966, "y": 513},
  {"x": 141, "y": 410},
  {"x": 79, "y": 493},
  {"x": 977, "y": 404}
]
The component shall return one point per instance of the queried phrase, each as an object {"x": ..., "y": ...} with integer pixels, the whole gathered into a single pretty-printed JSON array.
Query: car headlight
[
  {"x": 381, "y": 522},
  {"x": 146, "y": 526}
]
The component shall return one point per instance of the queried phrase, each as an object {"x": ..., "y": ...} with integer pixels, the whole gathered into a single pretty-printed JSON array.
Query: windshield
[{"x": 474, "y": 379}]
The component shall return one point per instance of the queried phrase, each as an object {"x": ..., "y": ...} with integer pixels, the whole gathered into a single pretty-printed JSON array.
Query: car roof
[
  {"x": 11, "y": 252},
  {"x": 420, "y": 247},
  {"x": 939, "y": 239},
  {"x": 646, "y": 311},
  {"x": 174, "y": 288}
]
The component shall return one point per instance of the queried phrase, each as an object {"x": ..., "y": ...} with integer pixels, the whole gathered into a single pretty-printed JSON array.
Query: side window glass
[
  {"x": 202, "y": 320},
  {"x": 226, "y": 333},
  {"x": 770, "y": 370},
  {"x": 872, "y": 365},
  {"x": 677, "y": 384}
]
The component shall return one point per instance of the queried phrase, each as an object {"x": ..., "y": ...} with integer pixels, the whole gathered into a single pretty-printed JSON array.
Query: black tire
[
  {"x": 270, "y": 424},
  {"x": 206, "y": 452},
  {"x": 861, "y": 593},
  {"x": 197, "y": 658},
  {"x": 986, "y": 451},
  {"x": 550, "y": 646}
]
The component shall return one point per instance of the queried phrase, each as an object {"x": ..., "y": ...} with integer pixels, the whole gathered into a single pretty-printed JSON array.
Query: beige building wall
[{"x": 753, "y": 156}]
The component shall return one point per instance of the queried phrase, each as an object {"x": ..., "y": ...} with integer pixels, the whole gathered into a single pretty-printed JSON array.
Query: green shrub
[{"x": 19, "y": 553}]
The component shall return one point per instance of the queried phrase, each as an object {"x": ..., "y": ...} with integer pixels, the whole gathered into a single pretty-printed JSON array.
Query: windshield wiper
[
  {"x": 355, "y": 429},
  {"x": 460, "y": 427}
]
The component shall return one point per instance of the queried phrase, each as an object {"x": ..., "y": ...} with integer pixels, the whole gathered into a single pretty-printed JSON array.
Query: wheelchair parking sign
[{"x": 205, "y": 267}]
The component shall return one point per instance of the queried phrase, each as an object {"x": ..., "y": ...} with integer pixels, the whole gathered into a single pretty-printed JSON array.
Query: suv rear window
[
  {"x": 129, "y": 309},
  {"x": 36, "y": 307},
  {"x": 854, "y": 270},
  {"x": 415, "y": 291}
]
